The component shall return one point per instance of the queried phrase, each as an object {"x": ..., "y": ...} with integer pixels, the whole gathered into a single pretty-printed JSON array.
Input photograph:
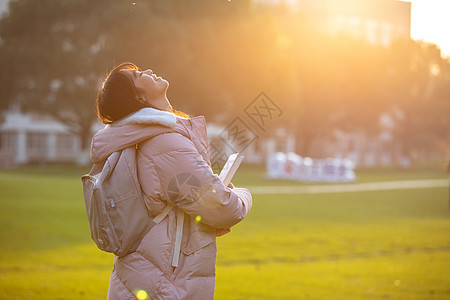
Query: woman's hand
[
  {"x": 222, "y": 231},
  {"x": 230, "y": 185}
]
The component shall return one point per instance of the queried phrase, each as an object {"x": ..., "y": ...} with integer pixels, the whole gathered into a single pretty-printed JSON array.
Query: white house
[{"x": 31, "y": 138}]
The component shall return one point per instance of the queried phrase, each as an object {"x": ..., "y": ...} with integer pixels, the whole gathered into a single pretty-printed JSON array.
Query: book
[{"x": 230, "y": 168}]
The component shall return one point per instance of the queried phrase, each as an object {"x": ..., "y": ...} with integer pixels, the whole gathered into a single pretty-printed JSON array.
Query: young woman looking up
[{"x": 176, "y": 258}]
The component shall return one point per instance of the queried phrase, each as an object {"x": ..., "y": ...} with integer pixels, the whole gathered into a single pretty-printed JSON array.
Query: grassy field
[{"x": 362, "y": 245}]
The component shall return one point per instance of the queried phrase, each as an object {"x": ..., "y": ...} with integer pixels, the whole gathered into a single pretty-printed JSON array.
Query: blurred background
[
  {"x": 347, "y": 76},
  {"x": 291, "y": 83}
]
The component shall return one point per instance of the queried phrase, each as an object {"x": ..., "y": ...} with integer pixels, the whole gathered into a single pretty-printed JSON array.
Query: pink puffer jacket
[{"x": 176, "y": 259}]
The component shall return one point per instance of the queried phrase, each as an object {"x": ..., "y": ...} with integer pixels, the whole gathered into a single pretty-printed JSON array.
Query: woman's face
[{"x": 151, "y": 88}]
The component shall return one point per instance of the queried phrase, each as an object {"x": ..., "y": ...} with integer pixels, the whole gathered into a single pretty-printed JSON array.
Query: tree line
[{"x": 218, "y": 55}]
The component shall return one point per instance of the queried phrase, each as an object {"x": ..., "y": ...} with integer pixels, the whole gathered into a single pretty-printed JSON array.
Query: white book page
[{"x": 230, "y": 168}]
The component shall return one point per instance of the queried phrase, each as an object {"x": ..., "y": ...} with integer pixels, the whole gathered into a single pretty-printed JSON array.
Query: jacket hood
[{"x": 134, "y": 129}]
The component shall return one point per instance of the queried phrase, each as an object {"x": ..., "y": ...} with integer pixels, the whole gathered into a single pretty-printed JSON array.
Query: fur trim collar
[{"x": 148, "y": 115}]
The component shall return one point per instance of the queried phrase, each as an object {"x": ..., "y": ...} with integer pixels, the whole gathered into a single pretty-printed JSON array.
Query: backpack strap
[
  {"x": 159, "y": 217},
  {"x": 178, "y": 236},
  {"x": 179, "y": 231}
]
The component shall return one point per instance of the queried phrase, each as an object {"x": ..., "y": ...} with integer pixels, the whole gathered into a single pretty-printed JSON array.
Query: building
[
  {"x": 32, "y": 138},
  {"x": 379, "y": 22},
  {"x": 3, "y": 6}
]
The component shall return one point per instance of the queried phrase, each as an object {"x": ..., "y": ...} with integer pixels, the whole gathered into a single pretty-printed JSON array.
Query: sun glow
[{"x": 430, "y": 22}]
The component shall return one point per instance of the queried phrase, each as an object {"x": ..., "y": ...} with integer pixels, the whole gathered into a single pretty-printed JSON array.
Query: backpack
[{"x": 118, "y": 217}]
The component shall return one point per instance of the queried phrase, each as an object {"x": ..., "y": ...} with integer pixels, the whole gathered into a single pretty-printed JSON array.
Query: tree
[
  {"x": 55, "y": 53},
  {"x": 337, "y": 84},
  {"x": 218, "y": 55},
  {"x": 419, "y": 80}
]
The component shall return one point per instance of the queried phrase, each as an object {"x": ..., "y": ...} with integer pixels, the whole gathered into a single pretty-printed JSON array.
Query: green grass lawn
[{"x": 361, "y": 245}]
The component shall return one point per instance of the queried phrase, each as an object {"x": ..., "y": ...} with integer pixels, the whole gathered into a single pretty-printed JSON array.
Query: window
[
  {"x": 386, "y": 34},
  {"x": 372, "y": 31},
  {"x": 8, "y": 142},
  {"x": 65, "y": 144},
  {"x": 36, "y": 144}
]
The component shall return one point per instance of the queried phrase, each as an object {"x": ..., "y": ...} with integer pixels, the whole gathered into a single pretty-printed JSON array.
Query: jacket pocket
[
  {"x": 198, "y": 240},
  {"x": 199, "y": 259}
]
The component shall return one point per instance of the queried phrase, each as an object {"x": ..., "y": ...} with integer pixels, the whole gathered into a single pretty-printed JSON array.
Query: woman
[{"x": 191, "y": 206}]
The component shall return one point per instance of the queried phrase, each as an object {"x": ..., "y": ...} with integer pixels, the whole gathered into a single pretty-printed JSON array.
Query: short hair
[{"x": 118, "y": 96}]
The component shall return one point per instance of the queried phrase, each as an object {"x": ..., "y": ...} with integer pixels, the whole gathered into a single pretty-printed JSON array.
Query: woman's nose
[{"x": 148, "y": 71}]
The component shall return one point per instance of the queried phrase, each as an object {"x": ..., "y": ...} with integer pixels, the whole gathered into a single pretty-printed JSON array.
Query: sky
[{"x": 430, "y": 22}]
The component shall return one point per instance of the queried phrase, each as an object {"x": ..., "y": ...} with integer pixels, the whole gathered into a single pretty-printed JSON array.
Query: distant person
[{"x": 176, "y": 258}]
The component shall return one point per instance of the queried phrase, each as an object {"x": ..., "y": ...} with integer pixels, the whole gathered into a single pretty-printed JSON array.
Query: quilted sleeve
[{"x": 187, "y": 181}]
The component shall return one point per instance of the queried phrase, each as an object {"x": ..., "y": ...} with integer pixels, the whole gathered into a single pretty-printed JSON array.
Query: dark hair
[{"x": 118, "y": 96}]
